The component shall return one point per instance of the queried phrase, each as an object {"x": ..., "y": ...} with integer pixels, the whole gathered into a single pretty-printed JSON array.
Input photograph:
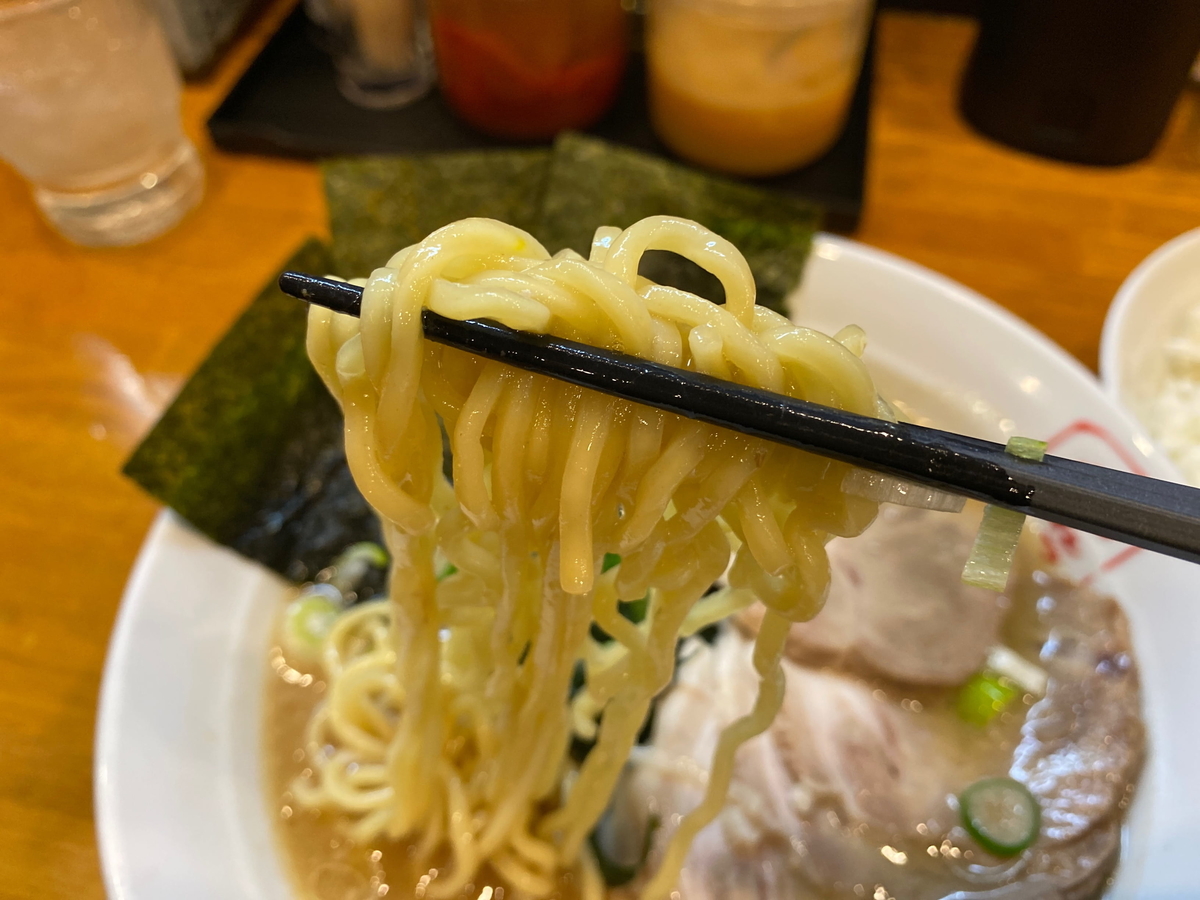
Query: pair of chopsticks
[{"x": 1145, "y": 512}]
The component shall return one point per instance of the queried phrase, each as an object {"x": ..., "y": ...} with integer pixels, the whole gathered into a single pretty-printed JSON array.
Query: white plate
[{"x": 179, "y": 800}]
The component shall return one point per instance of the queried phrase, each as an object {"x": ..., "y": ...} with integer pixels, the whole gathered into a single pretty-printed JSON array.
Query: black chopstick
[{"x": 1145, "y": 512}]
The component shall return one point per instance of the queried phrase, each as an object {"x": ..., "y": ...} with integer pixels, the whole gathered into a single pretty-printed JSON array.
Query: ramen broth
[{"x": 326, "y": 865}]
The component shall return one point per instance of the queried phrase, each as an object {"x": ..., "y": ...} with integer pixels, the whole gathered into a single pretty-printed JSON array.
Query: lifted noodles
[{"x": 449, "y": 710}]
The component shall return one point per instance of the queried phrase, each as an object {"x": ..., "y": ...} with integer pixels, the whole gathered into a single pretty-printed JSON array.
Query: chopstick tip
[{"x": 340, "y": 296}]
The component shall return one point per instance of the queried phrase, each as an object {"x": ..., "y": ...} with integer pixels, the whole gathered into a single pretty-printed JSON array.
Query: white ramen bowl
[
  {"x": 1145, "y": 313},
  {"x": 180, "y": 804}
]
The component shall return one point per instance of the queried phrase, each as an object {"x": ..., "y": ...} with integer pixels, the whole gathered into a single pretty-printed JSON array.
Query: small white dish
[
  {"x": 1147, "y": 310},
  {"x": 180, "y": 804}
]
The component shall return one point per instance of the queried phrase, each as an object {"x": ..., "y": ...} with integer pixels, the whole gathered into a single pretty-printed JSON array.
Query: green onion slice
[
  {"x": 353, "y": 563},
  {"x": 1007, "y": 663},
  {"x": 1026, "y": 448},
  {"x": 1001, "y": 815},
  {"x": 995, "y": 545},
  {"x": 308, "y": 620},
  {"x": 610, "y": 560},
  {"x": 983, "y": 697}
]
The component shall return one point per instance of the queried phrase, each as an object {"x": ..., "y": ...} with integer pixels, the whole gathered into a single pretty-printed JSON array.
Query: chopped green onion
[
  {"x": 983, "y": 697},
  {"x": 1026, "y": 448},
  {"x": 615, "y": 872},
  {"x": 308, "y": 620},
  {"x": 1001, "y": 815},
  {"x": 447, "y": 570},
  {"x": 1026, "y": 675},
  {"x": 610, "y": 560},
  {"x": 353, "y": 562},
  {"x": 634, "y": 610},
  {"x": 995, "y": 545}
]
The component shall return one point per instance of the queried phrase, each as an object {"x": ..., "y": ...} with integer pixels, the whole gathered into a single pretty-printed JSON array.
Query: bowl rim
[
  {"x": 1122, "y": 308},
  {"x": 131, "y": 868}
]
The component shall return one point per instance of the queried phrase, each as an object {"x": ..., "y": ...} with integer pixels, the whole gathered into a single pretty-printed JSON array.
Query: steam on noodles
[{"x": 449, "y": 711}]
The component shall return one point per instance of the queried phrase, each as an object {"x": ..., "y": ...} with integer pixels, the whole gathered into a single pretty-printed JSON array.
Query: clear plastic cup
[
  {"x": 753, "y": 87},
  {"x": 89, "y": 112}
]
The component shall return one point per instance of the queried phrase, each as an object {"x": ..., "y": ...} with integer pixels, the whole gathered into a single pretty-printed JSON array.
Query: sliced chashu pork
[
  {"x": 1083, "y": 744},
  {"x": 840, "y": 742},
  {"x": 836, "y": 744},
  {"x": 897, "y": 605},
  {"x": 833, "y": 744}
]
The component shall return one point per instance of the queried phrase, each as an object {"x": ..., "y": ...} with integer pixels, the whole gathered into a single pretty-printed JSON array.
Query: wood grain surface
[{"x": 92, "y": 342}]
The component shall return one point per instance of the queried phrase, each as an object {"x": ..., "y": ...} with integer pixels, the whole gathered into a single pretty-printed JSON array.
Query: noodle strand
[{"x": 452, "y": 705}]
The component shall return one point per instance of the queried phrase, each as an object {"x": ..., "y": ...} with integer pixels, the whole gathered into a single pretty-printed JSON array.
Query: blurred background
[{"x": 162, "y": 162}]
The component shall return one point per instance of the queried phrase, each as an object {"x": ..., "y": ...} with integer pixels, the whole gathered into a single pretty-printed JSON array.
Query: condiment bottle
[
  {"x": 527, "y": 69},
  {"x": 753, "y": 87},
  {"x": 1090, "y": 81}
]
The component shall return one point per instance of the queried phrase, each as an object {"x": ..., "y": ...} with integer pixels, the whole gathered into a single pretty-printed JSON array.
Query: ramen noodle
[{"x": 452, "y": 704}]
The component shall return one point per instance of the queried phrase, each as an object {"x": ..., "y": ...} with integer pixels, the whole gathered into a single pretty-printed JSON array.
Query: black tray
[{"x": 287, "y": 103}]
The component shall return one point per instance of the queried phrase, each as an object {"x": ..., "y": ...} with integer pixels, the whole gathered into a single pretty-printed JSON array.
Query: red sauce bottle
[{"x": 527, "y": 69}]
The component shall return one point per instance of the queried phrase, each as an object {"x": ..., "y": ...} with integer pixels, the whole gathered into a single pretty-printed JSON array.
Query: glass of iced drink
[
  {"x": 89, "y": 113},
  {"x": 753, "y": 87}
]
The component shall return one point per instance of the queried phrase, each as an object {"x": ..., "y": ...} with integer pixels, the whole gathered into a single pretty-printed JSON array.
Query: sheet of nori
[
  {"x": 381, "y": 204},
  {"x": 250, "y": 452},
  {"x": 593, "y": 183}
]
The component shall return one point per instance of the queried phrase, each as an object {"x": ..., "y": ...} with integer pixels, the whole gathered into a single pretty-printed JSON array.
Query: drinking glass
[
  {"x": 89, "y": 113},
  {"x": 753, "y": 88},
  {"x": 380, "y": 48}
]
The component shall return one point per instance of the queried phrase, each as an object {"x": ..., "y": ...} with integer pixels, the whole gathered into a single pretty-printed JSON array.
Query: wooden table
[{"x": 93, "y": 342}]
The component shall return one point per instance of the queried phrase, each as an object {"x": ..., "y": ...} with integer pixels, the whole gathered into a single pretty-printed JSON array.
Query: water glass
[{"x": 89, "y": 113}]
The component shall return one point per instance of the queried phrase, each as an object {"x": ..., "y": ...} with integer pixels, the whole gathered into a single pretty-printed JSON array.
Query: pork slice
[
  {"x": 748, "y": 852},
  {"x": 715, "y": 686},
  {"x": 833, "y": 740},
  {"x": 842, "y": 743},
  {"x": 897, "y": 606},
  {"x": 833, "y": 747},
  {"x": 1082, "y": 744},
  {"x": 1078, "y": 869}
]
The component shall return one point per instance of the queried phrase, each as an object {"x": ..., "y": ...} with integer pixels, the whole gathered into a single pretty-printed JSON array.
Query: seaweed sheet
[
  {"x": 250, "y": 452},
  {"x": 593, "y": 183},
  {"x": 381, "y": 204},
  {"x": 290, "y": 502}
]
